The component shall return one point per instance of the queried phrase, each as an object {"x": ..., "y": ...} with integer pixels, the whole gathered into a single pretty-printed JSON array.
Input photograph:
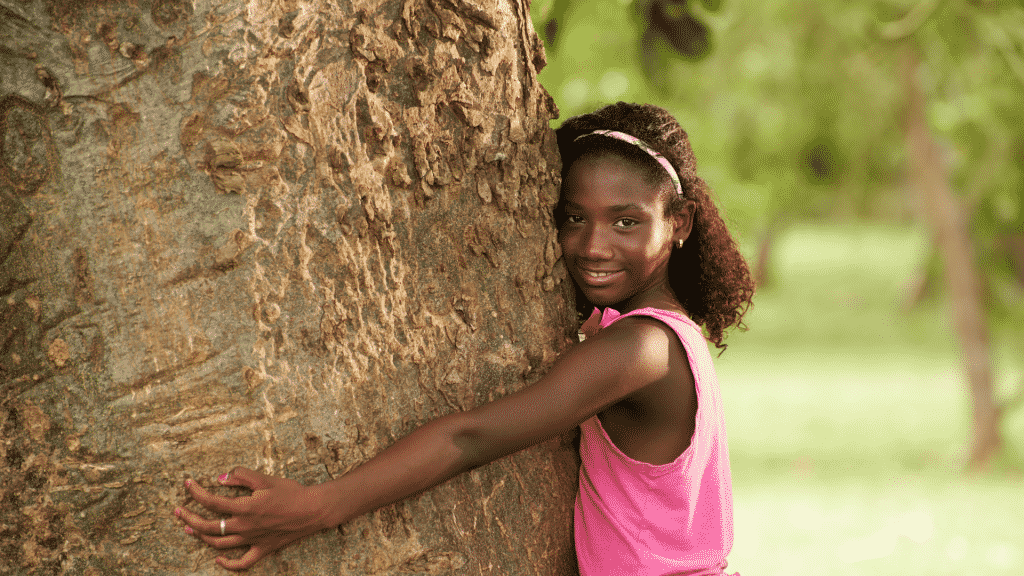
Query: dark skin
[
  {"x": 633, "y": 374},
  {"x": 614, "y": 244}
]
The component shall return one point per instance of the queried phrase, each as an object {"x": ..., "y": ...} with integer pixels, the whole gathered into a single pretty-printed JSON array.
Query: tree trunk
[
  {"x": 945, "y": 216},
  {"x": 280, "y": 235}
]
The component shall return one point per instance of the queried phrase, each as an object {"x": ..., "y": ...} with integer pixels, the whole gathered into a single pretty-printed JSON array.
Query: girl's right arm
[{"x": 586, "y": 379}]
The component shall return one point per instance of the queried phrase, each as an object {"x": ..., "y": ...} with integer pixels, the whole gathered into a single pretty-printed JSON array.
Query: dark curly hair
[{"x": 708, "y": 274}]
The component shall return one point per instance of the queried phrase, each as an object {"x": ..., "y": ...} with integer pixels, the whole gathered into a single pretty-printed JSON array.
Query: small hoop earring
[{"x": 679, "y": 243}]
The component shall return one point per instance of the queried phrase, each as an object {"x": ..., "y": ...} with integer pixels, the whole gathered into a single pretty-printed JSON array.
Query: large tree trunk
[
  {"x": 944, "y": 214},
  {"x": 279, "y": 234}
]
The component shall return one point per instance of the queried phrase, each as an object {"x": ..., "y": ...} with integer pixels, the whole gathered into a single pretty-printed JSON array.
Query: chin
[{"x": 602, "y": 299}]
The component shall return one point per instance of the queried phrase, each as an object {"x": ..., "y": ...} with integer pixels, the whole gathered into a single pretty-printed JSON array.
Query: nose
[{"x": 594, "y": 244}]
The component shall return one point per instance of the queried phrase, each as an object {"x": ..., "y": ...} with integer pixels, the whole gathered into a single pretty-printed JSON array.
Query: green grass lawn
[{"x": 848, "y": 417}]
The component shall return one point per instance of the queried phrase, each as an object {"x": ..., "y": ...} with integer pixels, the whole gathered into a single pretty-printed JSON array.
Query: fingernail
[
  {"x": 188, "y": 482},
  {"x": 177, "y": 512},
  {"x": 223, "y": 477},
  {"x": 188, "y": 530}
]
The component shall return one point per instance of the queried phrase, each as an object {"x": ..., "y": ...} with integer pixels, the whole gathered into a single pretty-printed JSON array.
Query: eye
[
  {"x": 573, "y": 219},
  {"x": 626, "y": 223}
]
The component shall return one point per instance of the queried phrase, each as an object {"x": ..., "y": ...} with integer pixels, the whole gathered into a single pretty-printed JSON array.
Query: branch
[{"x": 918, "y": 15}]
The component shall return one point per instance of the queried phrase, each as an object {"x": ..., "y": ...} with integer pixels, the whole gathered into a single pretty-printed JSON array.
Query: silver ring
[{"x": 222, "y": 527}]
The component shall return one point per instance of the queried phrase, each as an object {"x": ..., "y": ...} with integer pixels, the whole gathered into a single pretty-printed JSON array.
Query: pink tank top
[{"x": 638, "y": 519}]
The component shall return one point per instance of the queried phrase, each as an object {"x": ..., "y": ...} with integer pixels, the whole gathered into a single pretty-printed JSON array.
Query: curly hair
[{"x": 708, "y": 274}]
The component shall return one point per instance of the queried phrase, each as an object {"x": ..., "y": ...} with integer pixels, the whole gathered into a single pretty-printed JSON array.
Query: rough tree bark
[
  {"x": 279, "y": 234},
  {"x": 944, "y": 215}
]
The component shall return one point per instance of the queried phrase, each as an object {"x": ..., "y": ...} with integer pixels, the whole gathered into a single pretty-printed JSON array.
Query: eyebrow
[
  {"x": 624, "y": 207},
  {"x": 615, "y": 208}
]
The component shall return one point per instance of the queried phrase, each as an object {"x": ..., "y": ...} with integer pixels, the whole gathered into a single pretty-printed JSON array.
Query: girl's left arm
[
  {"x": 586, "y": 379},
  {"x": 280, "y": 511}
]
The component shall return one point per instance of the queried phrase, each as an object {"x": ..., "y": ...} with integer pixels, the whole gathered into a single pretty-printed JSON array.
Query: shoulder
[
  {"x": 642, "y": 329},
  {"x": 637, "y": 340}
]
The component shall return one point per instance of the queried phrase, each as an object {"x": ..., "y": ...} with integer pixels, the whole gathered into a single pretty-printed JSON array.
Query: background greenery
[
  {"x": 848, "y": 421},
  {"x": 847, "y": 404}
]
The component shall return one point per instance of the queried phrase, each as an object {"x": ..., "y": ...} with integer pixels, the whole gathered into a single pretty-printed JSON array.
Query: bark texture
[{"x": 279, "y": 234}]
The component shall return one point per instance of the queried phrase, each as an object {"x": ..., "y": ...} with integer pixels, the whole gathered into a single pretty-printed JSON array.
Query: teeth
[{"x": 599, "y": 274}]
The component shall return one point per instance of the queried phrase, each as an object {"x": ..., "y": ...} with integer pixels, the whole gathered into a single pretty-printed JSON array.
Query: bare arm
[
  {"x": 585, "y": 380},
  {"x": 280, "y": 511}
]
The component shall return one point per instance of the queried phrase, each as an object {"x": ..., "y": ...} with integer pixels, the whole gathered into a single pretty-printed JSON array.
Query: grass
[{"x": 848, "y": 418}]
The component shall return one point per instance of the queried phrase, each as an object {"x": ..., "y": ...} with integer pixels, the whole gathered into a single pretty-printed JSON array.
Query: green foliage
[
  {"x": 802, "y": 94},
  {"x": 770, "y": 109}
]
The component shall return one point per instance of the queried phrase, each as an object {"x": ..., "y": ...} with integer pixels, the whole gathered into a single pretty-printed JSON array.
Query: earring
[{"x": 679, "y": 243}]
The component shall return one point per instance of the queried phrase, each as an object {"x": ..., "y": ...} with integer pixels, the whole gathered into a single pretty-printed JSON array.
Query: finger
[
  {"x": 197, "y": 523},
  {"x": 241, "y": 476},
  {"x": 213, "y": 502},
  {"x": 224, "y": 542},
  {"x": 248, "y": 559}
]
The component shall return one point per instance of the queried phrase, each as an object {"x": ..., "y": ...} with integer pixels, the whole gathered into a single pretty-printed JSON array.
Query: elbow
[
  {"x": 468, "y": 442},
  {"x": 479, "y": 443},
  {"x": 469, "y": 448}
]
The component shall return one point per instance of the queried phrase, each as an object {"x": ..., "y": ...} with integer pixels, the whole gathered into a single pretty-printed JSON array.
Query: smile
[{"x": 598, "y": 276}]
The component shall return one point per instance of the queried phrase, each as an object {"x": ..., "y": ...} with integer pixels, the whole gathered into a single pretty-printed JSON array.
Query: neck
[{"x": 660, "y": 296}]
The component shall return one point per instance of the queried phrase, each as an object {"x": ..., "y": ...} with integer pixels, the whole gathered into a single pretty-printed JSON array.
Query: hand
[{"x": 278, "y": 512}]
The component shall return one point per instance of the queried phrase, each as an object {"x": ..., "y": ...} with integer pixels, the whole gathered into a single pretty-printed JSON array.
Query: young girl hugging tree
[{"x": 652, "y": 263}]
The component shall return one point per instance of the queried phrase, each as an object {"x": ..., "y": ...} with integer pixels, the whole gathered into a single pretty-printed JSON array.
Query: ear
[{"x": 683, "y": 222}]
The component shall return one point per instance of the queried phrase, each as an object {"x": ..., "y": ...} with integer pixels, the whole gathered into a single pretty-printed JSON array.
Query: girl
[{"x": 642, "y": 239}]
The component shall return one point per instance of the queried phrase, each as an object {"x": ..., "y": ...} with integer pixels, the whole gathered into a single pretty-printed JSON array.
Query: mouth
[{"x": 598, "y": 277}]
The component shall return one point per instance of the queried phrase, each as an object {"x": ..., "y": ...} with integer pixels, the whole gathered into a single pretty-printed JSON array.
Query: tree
[
  {"x": 276, "y": 234},
  {"x": 945, "y": 216},
  {"x": 961, "y": 223}
]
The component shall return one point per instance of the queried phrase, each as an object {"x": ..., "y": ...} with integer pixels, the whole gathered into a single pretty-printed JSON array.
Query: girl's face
[{"x": 616, "y": 238}]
